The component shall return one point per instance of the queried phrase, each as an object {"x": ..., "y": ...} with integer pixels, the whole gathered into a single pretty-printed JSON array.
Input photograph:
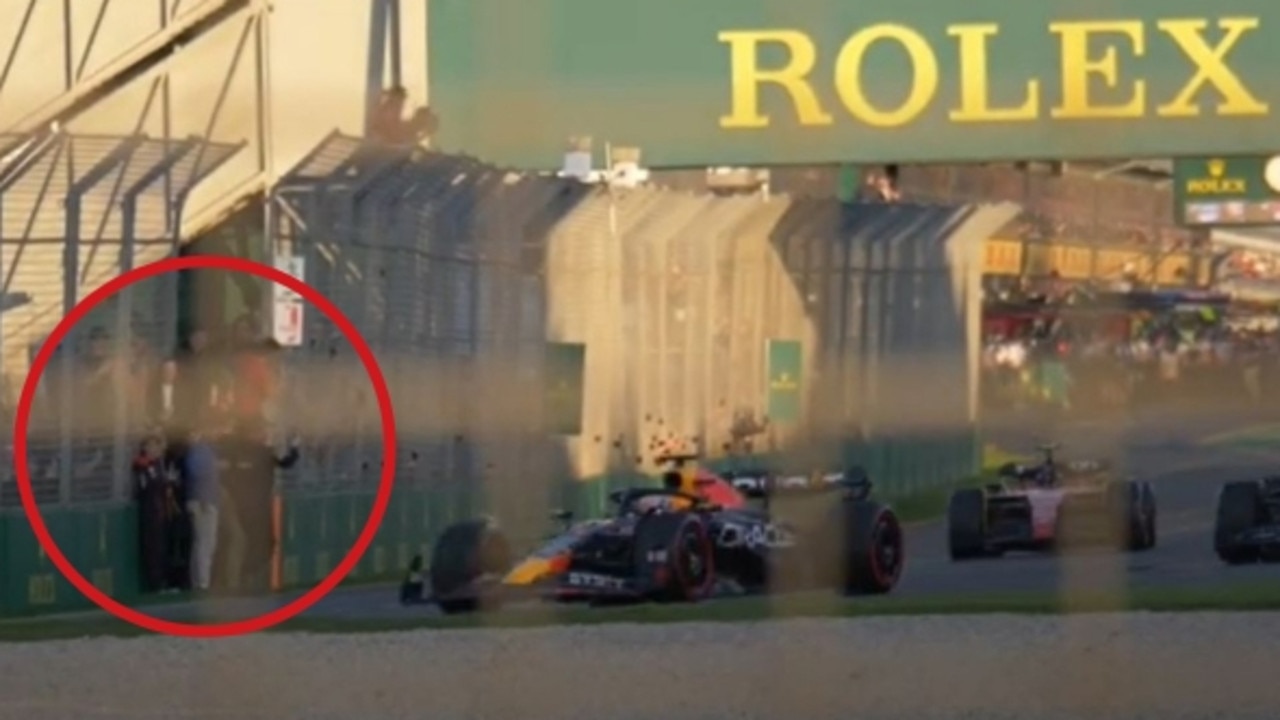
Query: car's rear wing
[{"x": 761, "y": 484}]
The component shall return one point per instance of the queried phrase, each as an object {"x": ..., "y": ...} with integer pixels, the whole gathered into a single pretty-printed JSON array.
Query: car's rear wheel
[
  {"x": 463, "y": 555},
  {"x": 1240, "y": 508},
  {"x": 875, "y": 547},
  {"x": 1133, "y": 515},
  {"x": 966, "y": 524},
  {"x": 674, "y": 550}
]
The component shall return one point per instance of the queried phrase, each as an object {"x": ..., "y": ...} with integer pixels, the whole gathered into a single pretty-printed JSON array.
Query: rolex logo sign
[{"x": 1218, "y": 181}]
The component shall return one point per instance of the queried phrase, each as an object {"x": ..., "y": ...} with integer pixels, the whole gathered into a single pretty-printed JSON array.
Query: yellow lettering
[
  {"x": 1079, "y": 67},
  {"x": 1211, "y": 68},
  {"x": 975, "y": 91},
  {"x": 1218, "y": 186},
  {"x": 747, "y": 76},
  {"x": 924, "y": 82}
]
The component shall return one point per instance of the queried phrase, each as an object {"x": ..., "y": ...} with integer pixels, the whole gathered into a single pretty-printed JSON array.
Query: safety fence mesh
[{"x": 851, "y": 329}]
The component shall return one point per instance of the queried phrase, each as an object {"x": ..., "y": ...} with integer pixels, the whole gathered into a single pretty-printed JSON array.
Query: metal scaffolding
[{"x": 76, "y": 210}]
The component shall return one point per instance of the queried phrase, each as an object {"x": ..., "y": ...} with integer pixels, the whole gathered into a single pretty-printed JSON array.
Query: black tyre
[
  {"x": 875, "y": 551},
  {"x": 967, "y": 524},
  {"x": 1132, "y": 509},
  {"x": 674, "y": 550},
  {"x": 1240, "y": 508},
  {"x": 463, "y": 555}
]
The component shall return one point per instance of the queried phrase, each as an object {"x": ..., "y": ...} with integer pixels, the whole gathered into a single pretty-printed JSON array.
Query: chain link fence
[
  {"x": 459, "y": 274},
  {"x": 76, "y": 211}
]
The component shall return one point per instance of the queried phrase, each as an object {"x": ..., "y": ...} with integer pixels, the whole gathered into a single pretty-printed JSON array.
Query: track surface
[{"x": 1165, "y": 448}]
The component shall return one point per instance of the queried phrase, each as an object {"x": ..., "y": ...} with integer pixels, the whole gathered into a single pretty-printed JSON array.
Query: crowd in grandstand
[
  {"x": 1157, "y": 363},
  {"x": 1040, "y": 227}
]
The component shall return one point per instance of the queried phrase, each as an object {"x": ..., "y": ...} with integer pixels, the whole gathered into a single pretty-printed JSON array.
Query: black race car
[
  {"x": 709, "y": 536},
  {"x": 1247, "y": 527}
]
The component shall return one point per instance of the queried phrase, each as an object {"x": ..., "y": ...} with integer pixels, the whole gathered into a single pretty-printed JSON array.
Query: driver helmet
[
  {"x": 673, "y": 480},
  {"x": 1044, "y": 477}
]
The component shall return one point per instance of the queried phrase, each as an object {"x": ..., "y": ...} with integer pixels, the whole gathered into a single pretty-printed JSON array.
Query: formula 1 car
[
  {"x": 1247, "y": 527},
  {"x": 689, "y": 540},
  {"x": 1051, "y": 506}
]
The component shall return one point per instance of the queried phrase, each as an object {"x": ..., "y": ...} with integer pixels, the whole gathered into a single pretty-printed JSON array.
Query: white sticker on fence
[{"x": 287, "y": 305}]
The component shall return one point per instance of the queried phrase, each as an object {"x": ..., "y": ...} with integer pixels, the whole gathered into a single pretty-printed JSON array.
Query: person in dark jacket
[
  {"x": 252, "y": 462},
  {"x": 180, "y": 530},
  {"x": 154, "y": 491}
]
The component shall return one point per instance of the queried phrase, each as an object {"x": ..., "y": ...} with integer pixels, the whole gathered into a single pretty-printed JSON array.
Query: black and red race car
[{"x": 698, "y": 536}]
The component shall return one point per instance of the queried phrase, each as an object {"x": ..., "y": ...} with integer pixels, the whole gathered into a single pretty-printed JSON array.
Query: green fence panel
[
  {"x": 346, "y": 516},
  {"x": 103, "y": 544},
  {"x": 377, "y": 559},
  {"x": 394, "y": 534},
  {"x": 310, "y": 541},
  {"x": 28, "y": 575},
  {"x": 292, "y": 527},
  {"x": 333, "y": 541},
  {"x": 424, "y": 509}
]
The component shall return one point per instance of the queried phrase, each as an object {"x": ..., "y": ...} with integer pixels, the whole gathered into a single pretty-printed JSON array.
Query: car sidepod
[{"x": 662, "y": 556}]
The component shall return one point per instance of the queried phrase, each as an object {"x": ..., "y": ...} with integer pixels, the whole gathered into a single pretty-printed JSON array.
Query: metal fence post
[
  {"x": 70, "y": 296},
  {"x": 124, "y": 420}
]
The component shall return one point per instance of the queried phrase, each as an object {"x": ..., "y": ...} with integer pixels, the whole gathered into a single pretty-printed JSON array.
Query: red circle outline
[{"x": 247, "y": 625}]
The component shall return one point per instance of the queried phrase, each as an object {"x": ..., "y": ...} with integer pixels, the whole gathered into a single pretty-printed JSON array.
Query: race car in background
[
  {"x": 1051, "y": 506},
  {"x": 1247, "y": 527},
  {"x": 698, "y": 536}
]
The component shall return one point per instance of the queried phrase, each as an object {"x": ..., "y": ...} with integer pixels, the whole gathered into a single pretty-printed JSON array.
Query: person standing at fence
[
  {"x": 250, "y": 481},
  {"x": 156, "y": 508},
  {"x": 180, "y": 534},
  {"x": 202, "y": 488}
]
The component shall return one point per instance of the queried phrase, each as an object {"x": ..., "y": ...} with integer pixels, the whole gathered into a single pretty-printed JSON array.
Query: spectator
[
  {"x": 180, "y": 527},
  {"x": 201, "y": 488},
  {"x": 387, "y": 121},
  {"x": 250, "y": 481},
  {"x": 386, "y": 124},
  {"x": 156, "y": 509}
]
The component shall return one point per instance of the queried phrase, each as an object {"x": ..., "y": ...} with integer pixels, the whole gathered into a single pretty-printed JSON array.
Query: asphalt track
[{"x": 1166, "y": 448}]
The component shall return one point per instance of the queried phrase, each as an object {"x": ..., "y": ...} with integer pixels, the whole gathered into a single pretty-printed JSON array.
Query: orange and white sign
[{"x": 287, "y": 306}]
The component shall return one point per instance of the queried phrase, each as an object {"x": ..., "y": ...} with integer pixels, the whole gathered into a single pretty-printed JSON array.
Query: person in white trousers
[{"x": 203, "y": 491}]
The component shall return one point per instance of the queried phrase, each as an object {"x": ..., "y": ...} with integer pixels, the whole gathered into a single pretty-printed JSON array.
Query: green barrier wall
[
  {"x": 317, "y": 531},
  {"x": 102, "y": 543}
]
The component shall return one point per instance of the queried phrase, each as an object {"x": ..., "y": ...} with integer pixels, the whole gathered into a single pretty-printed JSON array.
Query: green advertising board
[
  {"x": 1214, "y": 191},
  {"x": 784, "y": 360},
  {"x": 742, "y": 82},
  {"x": 566, "y": 366}
]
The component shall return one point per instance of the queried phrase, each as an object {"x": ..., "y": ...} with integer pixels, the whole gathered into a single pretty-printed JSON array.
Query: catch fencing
[
  {"x": 855, "y": 327},
  {"x": 76, "y": 211}
]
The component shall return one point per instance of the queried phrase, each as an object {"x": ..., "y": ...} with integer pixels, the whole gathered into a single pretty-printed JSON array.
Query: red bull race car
[
  {"x": 1051, "y": 506},
  {"x": 697, "y": 536}
]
